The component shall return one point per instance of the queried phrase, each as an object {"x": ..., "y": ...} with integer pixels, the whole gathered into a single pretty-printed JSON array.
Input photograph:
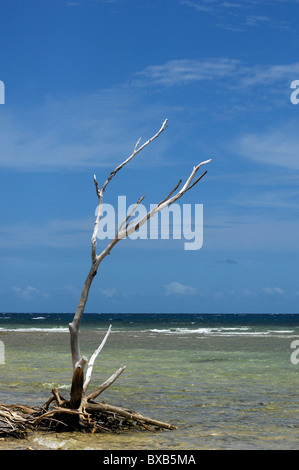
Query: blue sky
[{"x": 84, "y": 79}]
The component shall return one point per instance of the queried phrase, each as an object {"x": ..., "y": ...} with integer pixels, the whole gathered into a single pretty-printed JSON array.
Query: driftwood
[
  {"x": 15, "y": 420},
  {"x": 80, "y": 411},
  {"x": 60, "y": 414},
  {"x": 125, "y": 229},
  {"x": 77, "y": 384}
]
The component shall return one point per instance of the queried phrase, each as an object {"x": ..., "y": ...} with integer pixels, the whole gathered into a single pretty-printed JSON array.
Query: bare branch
[
  {"x": 131, "y": 415},
  {"x": 97, "y": 221},
  {"x": 55, "y": 411},
  {"x": 130, "y": 214},
  {"x": 121, "y": 233},
  {"x": 174, "y": 189},
  {"x": 198, "y": 179},
  {"x": 92, "y": 360},
  {"x": 135, "y": 152},
  {"x": 97, "y": 259},
  {"x": 100, "y": 192},
  {"x": 106, "y": 384},
  {"x": 166, "y": 201},
  {"x": 195, "y": 169}
]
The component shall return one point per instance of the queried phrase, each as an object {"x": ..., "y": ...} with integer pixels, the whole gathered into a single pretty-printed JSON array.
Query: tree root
[
  {"x": 80, "y": 412},
  {"x": 57, "y": 415},
  {"x": 15, "y": 420}
]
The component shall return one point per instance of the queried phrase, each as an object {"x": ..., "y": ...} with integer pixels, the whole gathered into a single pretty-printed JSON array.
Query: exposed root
[
  {"x": 15, "y": 420},
  {"x": 56, "y": 415},
  {"x": 79, "y": 412}
]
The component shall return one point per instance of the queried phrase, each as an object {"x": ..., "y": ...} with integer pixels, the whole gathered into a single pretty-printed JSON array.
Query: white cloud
[
  {"x": 29, "y": 292},
  {"x": 178, "y": 288},
  {"x": 238, "y": 15},
  {"x": 100, "y": 129},
  {"x": 273, "y": 290},
  {"x": 269, "y": 74},
  {"x": 183, "y": 71},
  {"x": 85, "y": 131},
  {"x": 254, "y": 20},
  {"x": 109, "y": 292},
  {"x": 197, "y": 6},
  {"x": 277, "y": 146},
  {"x": 238, "y": 75}
]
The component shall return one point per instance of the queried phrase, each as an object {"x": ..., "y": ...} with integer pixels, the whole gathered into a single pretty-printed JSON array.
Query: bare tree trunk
[
  {"x": 126, "y": 228},
  {"x": 80, "y": 407},
  {"x": 74, "y": 326},
  {"x": 77, "y": 384},
  {"x": 121, "y": 234},
  {"x": 97, "y": 259}
]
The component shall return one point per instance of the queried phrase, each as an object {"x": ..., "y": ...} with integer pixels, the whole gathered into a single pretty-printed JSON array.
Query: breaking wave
[{"x": 221, "y": 331}]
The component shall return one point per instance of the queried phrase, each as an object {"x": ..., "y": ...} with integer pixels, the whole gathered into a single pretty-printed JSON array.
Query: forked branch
[
  {"x": 81, "y": 409},
  {"x": 126, "y": 228},
  {"x": 100, "y": 192},
  {"x": 92, "y": 360}
]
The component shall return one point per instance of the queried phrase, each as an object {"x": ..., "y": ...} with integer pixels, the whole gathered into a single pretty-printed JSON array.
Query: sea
[{"x": 226, "y": 381}]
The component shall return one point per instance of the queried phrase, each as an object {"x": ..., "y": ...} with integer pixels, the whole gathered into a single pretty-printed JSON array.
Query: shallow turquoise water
[{"x": 224, "y": 384}]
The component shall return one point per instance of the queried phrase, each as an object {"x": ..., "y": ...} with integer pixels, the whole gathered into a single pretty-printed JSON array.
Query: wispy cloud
[
  {"x": 184, "y": 71},
  {"x": 269, "y": 74},
  {"x": 276, "y": 146},
  {"x": 175, "y": 288},
  {"x": 237, "y": 16},
  {"x": 198, "y": 6},
  {"x": 28, "y": 293},
  {"x": 273, "y": 290},
  {"x": 100, "y": 129},
  {"x": 87, "y": 131},
  {"x": 255, "y": 20},
  {"x": 109, "y": 292},
  {"x": 240, "y": 75}
]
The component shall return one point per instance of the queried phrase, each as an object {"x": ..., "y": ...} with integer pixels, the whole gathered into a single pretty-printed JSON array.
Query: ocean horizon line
[{"x": 147, "y": 313}]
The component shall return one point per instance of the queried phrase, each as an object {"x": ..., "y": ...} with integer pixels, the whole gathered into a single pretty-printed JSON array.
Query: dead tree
[{"x": 81, "y": 408}]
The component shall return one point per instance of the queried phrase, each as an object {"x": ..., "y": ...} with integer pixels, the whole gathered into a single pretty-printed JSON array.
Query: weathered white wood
[
  {"x": 92, "y": 360},
  {"x": 100, "y": 192},
  {"x": 131, "y": 415},
  {"x": 74, "y": 326},
  {"x": 165, "y": 203},
  {"x": 122, "y": 233},
  {"x": 106, "y": 384},
  {"x": 97, "y": 259}
]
